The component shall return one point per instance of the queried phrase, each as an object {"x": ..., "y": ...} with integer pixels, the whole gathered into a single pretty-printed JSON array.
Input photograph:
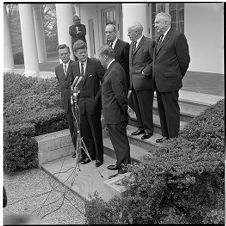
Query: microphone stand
[{"x": 80, "y": 144}]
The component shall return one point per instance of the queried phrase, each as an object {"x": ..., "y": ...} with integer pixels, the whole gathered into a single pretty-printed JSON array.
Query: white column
[
  {"x": 64, "y": 14},
  {"x": 132, "y": 13},
  {"x": 8, "y": 53},
  {"x": 39, "y": 33},
  {"x": 28, "y": 40}
]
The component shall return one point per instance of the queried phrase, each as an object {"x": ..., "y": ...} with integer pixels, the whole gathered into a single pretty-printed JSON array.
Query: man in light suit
[
  {"x": 63, "y": 74},
  {"x": 114, "y": 101},
  {"x": 121, "y": 48},
  {"x": 89, "y": 101},
  {"x": 141, "y": 85},
  {"x": 170, "y": 63}
]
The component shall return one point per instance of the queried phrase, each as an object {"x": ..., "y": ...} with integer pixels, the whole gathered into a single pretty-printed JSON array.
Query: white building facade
[{"x": 202, "y": 24}]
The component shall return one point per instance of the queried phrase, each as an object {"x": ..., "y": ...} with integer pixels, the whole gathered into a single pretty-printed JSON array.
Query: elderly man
[
  {"x": 114, "y": 101},
  {"x": 121, "y": 48},
  {"x": 170, "y": 64},
  {"x": 141, "y": 85}
]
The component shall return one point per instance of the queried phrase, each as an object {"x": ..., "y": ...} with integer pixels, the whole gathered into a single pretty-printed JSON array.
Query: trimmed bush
[
  {"x": 181, "y": 182},
  {"x": 20, "y": 149},
  {"x": 33, "y": 105}
]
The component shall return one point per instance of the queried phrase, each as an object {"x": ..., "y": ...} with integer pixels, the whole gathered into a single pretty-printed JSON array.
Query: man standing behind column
[
  {"x": 77, "y": 31},
  {"x": 121, "y": 48},
  {"x": 170, "y": 64},
  {"x": 89, "y": 101},
  {"x": 114, "y": 102},
  {"x": 65, "y": 79},
  {"x": 141, "y": 85}
]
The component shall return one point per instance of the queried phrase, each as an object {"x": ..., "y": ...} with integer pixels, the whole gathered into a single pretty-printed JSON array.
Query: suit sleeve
[
  {"x": 100, "y": 72},
  {"x": 72, "y": 30},
  {"x": 82, "y": 31},
  {"x": 182, "y": 51},
  {"x": 126, "y": 53},
  {"x": 148, "y": 69},
  {"x": 117, "y": 87}
]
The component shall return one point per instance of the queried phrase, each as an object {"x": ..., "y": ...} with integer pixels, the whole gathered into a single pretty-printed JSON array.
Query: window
[{"x": 176, "y": 10}]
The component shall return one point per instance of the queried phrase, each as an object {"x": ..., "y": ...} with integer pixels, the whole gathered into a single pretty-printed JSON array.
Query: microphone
[
  {"x": 78, "y": 81},
  {"x": 75, "y": 80}
]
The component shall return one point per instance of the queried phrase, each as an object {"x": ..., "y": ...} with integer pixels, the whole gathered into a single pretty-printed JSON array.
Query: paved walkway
[{"x": 33, "y": 192}]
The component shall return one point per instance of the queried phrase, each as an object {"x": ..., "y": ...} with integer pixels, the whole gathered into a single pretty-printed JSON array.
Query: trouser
[
  {"x": 141, "y": 101},
  {"x": 120, "y": 143},
  {"x": 91, "y": 132}
]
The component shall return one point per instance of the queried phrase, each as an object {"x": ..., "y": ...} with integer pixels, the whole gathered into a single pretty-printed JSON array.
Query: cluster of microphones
[{"x": 75, "y": 89}]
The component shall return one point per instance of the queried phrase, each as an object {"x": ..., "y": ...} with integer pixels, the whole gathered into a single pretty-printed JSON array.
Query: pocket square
[{"x": 90, "y": 75}]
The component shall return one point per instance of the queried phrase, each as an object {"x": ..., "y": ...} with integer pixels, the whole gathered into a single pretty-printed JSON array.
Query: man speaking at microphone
[
  {"x": 89, "y": 101},
  {"x": 65, "y": 79}
]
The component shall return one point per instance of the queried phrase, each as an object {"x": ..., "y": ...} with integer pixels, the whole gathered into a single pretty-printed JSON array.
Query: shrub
[
  {"x": 20, "y": 149},
  {"x": 34, "y": 104},
  {"x": 181, "y": 182}
]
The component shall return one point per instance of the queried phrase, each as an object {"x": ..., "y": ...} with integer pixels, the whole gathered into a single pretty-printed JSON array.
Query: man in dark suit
[
  {"x": 77, "y": 31},
  {"x": 141, "y": 91},
  {"x": 114, "y": 102},
  {"x": 170, "y": 63},
  {"x": 89, "y": 101},
  {"x": 63, "y": 74},
  {"x": 121, "y": 48}
]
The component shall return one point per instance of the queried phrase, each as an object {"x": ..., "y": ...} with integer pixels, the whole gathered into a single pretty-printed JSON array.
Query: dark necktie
[
  {"x": 65, "y": 69},
  {"x": 82, "y": 68},
  {"x": 160, "y": 39},
  {"x": 134, "y": 46}
]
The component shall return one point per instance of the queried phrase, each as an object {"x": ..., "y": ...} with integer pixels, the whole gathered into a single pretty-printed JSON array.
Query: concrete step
[
  {"x": 136, "y": 152},
  {"x": 54, "y": 145},
  {"x": 156, "y": 122},
  {"x": 84, "y": 180}
]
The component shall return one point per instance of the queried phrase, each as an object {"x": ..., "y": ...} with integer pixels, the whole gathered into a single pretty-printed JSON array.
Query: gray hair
[
  {"x": 165, "y": 16},
  {"x": 136, "y": 26}
]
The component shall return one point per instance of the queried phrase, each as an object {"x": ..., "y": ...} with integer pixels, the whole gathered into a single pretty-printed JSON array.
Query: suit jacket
[
  {"x": 171, "y": 61},
  {"x": 74, "y": 33},
  {"x": 90, "y": 92},
  {"x": 114, "y": 97},
  {"x": 121, "y": 50},
  {"x": 140, "y": 61},
  {"x": 65, "y": 83}
]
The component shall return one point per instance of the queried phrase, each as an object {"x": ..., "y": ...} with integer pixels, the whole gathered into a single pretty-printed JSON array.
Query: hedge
[
  {"x": 181, "y": 182},
  {"x": 34, "y": 104}
]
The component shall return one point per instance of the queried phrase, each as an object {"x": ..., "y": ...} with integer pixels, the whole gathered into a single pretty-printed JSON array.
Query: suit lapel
[
  {"x": 140, "y": 44},
  {"x": 116, "y": 45},
  {"x": 163, "y": 42}
]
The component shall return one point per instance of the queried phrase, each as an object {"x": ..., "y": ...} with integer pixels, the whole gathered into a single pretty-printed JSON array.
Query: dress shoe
[
  {"x": 120, "y": 171},
  {"x": 112, "y": 167},
  {"x": 138, "y": 132},
  {"x": 162, "y": 139},
  {"x": 74, "y": 155},
  {"x": 146, "y": 135},
  {"x": 85, "y": 161},
  {"x": 98, "y": 163}
]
